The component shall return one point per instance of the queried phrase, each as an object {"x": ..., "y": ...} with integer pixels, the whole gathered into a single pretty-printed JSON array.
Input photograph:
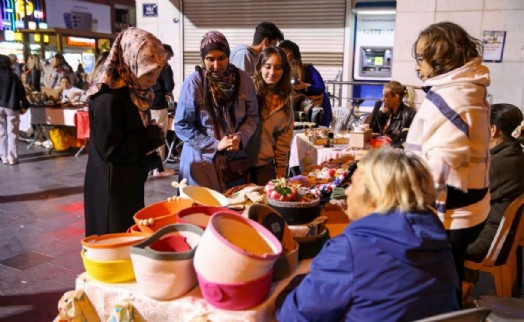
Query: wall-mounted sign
[
  {"x": 79, "y": 41},
  {"x": 493, "y": 45},
  {"x": 149, "y": 10}
]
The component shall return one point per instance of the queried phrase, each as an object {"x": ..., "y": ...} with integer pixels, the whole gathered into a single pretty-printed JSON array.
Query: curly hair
[
  {"x": 282, "y": 88},
  {"x": 448, "y": 46}
]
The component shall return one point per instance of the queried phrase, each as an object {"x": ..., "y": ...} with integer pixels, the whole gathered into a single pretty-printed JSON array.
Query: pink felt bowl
[
  {"x": 200, "y": 215},
  {"x": 235, "y": 296},
  {"x": 161, "y": 271},
  {"x": 235, "y": 249},
  {"x": 153, "y": 217},
  {"x": 110, "y": 246}
]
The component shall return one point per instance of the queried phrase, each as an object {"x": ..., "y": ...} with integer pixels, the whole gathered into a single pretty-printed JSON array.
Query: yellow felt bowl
[
  {"x": 204, "y": 196},
  {"x": 111, "y": 271}
]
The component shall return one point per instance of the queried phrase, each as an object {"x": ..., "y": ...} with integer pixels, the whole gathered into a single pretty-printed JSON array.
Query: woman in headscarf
[
  {"x": 121, "y": 136},
  {"x": 216, "y": 116}
]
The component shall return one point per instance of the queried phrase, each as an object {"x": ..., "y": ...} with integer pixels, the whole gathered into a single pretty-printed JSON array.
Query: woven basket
[
  {"x": 110, "y": 246},
  {"x": 296, "y": 213},
  {"x": 166, "y": 274},
  {"x": 153, "y": 217},
  {"x": 200, "y": 215},
  {"x": 204, "y": 196},
  {"x": 115, "y": 271}
]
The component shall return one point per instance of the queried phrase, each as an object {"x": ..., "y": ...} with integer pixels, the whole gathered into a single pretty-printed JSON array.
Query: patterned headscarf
[
  {"x": 213, "y": 40},
  {"x": 134, "y": 53}
]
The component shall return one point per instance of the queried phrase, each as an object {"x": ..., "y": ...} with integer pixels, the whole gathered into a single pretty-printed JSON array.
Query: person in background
[
  {"x": 269, "y": 147},
  {"x": 392, "y": 263},
  {"x": 47, "y": 71},
  {"x": 17, "y": 68},
  {"x": 123, "y": 140},
  {"x": 307, "y": 82},
  {"x": 506, "y": 180},
  {"x": 216, "y": 116},
  {"x": 69, "y": 93},
  {"x": 80, "y": 76},
  {"x": 60, "y": 68},
  {"x": 245, "y": 57},
  {"x": 451, "y": 130},
  {"x": 12, "y": 102},
  {"x": 394, "y": 119},
  {"x": 34, "y": 72},
  {"x": 163, "y": 90},
  {"x": 98, "y": 65}
]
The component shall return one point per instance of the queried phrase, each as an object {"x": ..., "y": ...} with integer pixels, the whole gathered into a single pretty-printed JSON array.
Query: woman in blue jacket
[
  {"x": 217, "y": 114},
  {"x": 392, "y": 263}
]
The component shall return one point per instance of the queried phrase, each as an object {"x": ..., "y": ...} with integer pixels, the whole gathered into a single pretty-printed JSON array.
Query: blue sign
[{"x": 149, "y": 10}]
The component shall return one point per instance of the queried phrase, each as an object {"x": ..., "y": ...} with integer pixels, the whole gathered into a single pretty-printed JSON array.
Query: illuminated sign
[
  {"x": 78, "y": 41},
  {"x": 14, "y": 12}
]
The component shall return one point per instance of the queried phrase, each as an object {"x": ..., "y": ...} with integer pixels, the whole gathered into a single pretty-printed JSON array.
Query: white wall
[
  {"x": 167, "y": 30},
  {"x": 507, "y": 77}
]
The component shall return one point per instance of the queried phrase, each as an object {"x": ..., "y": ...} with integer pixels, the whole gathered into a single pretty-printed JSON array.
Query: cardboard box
[{"x": 359, "y": 139}]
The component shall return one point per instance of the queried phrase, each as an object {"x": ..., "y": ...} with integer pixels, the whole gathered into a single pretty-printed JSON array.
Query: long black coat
[{"x": 117, "y": 166}]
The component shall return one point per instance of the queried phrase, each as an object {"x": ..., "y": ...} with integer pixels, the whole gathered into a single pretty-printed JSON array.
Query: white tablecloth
[
  {"x": 301, "y": 145},
  {"x": 191, "y": 306},
  {"x": 48, "y": 115}
]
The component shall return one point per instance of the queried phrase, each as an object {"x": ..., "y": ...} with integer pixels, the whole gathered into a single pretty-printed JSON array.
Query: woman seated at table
[
  {"x": 394, "y": 119},
  {"x": 392, "y": 263},
  {"x": 70, "y": 94}
]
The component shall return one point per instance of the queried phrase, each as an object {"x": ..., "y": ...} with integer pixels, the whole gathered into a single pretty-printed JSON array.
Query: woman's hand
[
  {"x": 301, "y": 86},
  {"x": 225, "y": 144},
  {"x": 235, "y": 140}
]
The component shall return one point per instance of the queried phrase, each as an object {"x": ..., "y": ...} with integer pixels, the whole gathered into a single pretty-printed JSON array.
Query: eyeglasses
[{"x": 419, "y": 60}]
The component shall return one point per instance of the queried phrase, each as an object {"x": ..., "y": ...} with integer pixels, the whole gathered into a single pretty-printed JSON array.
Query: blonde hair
[
  {"x": 405, "y": 93},
  {"x": 394, "y": 179},
  {"x": 34, "y": 63}
]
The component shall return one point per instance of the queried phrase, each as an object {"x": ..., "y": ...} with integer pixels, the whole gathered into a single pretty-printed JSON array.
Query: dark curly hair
[{"x": 448, "y": 46}]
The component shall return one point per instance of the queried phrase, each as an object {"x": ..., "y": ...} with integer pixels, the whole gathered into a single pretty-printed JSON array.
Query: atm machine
[{"x": 375, "y": 62}]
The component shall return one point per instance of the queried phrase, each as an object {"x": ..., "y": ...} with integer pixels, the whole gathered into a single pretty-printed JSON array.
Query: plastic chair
[
  {"x": 468, "y": 315},
  {"x": 504, "y": 274}
]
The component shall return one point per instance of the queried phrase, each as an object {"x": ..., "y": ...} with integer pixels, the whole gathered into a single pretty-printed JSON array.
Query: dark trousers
[{"x": 262, "y": 175}]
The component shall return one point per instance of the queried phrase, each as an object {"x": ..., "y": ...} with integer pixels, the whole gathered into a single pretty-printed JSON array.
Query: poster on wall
[{"x": 493, "y": 45}]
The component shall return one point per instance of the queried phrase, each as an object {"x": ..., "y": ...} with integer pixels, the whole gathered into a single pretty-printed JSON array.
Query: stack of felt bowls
[
  {"x": 163, "y": 264},
  {"x": 273, "y": 221},
  {"x": 155, "y": 216},
  {"x": 234, "y": 262},
  {"x": 107, "y": 258},
  {"x": 200, "y": 215},
  {"x": 204, "y": 196}
]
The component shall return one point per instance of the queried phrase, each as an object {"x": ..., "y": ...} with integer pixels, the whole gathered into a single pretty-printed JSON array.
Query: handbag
[{"x": 235, "y": 169}]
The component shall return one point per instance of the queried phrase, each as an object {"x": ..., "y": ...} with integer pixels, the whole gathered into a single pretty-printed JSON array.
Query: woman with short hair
[{"x": 392, "y": 263}]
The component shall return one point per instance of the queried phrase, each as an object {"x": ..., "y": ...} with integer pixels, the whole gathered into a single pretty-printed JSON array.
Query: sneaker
[
  {"x": 39, "y": 142},
  {"x": 13, "y": 162},
  {"x": 48, "y": 144},
  {"x": 165, "y": 173},
  {"x": 4, "y": 161}
]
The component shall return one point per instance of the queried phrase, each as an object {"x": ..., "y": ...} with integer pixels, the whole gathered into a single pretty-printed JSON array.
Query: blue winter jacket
[{"x": 383, "y": 267}]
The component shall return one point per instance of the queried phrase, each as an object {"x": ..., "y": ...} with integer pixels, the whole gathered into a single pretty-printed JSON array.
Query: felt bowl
[
  {"x": 110, "y": 246},
  {"x": 155, "y": 216},
  {"x": 310, "y": 246},
  {"x": 111, "y": 271},
  {"x": 235, "y": 249},
  {"x": 296, "y": 213},
  {"x": 200, "y": 215},
  {"x": 162, "y": 264},
  {"x": 204, "y": 196}
]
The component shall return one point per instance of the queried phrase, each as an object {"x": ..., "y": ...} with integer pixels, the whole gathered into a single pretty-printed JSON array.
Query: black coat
[
  {"x": 12, "y": 92},
  {"x": 399, "y": 121},
  {"x": 117, "y": 167},
  {"x": 164, "y": 85},
  {"x": 506, "y": 176}
]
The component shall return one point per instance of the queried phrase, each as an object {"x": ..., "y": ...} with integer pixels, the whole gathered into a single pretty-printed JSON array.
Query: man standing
[
  {"x": 245, "y": 57},
  {"x": 163, "y": 90}
]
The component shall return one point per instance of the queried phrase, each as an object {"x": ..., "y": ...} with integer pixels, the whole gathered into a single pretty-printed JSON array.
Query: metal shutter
[{"x": 316, "y": 26}]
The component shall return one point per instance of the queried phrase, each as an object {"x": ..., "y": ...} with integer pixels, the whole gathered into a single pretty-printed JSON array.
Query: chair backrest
[
  {"x": 512, "y": 218},
  {"x": 468, "y": 315}
]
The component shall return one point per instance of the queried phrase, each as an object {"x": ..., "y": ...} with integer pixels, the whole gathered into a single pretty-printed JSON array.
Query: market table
[
  {"x": 49, "y": 115},
  {"x": 301, "y": 145},
  {"x": 192, "y": 306}
]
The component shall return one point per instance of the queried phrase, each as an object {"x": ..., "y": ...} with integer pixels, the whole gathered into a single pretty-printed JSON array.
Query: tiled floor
[{"x": 41, "y": 225}]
